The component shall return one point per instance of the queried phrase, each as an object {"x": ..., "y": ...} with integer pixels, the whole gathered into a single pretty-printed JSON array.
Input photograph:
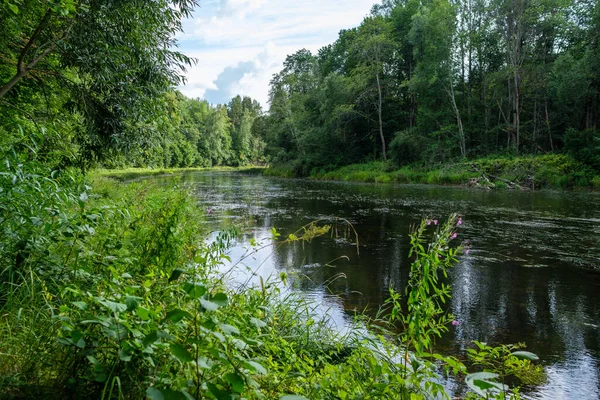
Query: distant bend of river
[{"x": 532, "y": 275}]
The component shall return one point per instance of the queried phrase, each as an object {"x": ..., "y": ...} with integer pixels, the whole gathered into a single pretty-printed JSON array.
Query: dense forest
[
  {"x": 426, "y": 82},
  {"x": 97, "y": 82},
  {"x": 435, "y": 81}
]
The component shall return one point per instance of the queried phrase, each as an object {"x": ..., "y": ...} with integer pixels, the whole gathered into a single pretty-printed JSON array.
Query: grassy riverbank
[
  {"x": 532, "y": 172},
  {"x": 132, "y": 173}
]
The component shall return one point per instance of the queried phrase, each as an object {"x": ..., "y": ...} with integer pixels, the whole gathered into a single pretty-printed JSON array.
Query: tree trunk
[
  {"x": 12, "y": 82},
  {"x": 548, "y": 125},
  {"x": 379, "y": 112},
  {"x": 461, "y": 132}
]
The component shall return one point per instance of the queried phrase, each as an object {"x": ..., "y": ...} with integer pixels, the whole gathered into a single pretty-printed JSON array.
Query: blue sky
[{"x": 240, "y": 44}]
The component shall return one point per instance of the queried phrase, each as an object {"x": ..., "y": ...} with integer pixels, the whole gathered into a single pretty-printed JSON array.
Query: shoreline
[{"x": 553, "y": 172}]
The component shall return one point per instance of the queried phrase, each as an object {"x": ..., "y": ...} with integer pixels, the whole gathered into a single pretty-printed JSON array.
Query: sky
[{"x": 240, "y": 44}]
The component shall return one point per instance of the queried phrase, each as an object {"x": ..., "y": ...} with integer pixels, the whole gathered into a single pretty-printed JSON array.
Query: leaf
[
  {"x": 181, "y": 353},
  {"x": 525, "y": 355},
  {"x": 237, "y": 382},
  {"x": 209, "y": 305},
  {"x": 113, "y": 306},
  {"x": 150, "y": 339},
  {"x": 175, "y": 275},
  {"x": 194, "y": 290},
  {"x": 166, "y": 335},
  {"x": 143, "y": 313},
  {"x": 220, "y": 299},
  {"x": 154, "y": 394},
  {"x": 124, "y": 355},
  {"x": 240, "y": 344},
  {"x": 173, "y": 395},
  {"x": 205, "y": 363},
  {"x": 219, "y": 336},
  {"x": 132, "y": 302},
  {"x": 230, "y": 329},
  {"x": 219, "y": 394},
  {"x": 177, "y": 315},
  {"x": 258, "y": 368},
  {"x": 81, "y": 305},
  {"x": 92, "y": 360},
  {"x": 258, "y": 323},
  {"x": 479, "y": 382}
]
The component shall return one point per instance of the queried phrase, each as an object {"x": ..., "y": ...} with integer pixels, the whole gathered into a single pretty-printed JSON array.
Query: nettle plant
[{"x": 160, "y": 336}]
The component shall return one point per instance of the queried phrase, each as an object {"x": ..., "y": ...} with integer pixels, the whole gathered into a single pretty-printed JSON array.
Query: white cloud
[
  {"x": 240, "y": 44},
  {"x": 230, "y": 8}
]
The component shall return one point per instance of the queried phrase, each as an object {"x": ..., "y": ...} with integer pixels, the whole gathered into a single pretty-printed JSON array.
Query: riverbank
[
  {"x": 555, "y": 171},
  {"x": 132, "y": 173}
]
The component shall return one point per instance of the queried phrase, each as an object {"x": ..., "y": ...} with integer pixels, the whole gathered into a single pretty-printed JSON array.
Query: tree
[
  {"x": 116, "y": 59},
  {"x": 375, "y": 49}
]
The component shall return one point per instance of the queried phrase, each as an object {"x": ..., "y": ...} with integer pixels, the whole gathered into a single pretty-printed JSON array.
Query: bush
[
  {"x": 584, "y": 146},
  {"x": 406, "y": 147}
]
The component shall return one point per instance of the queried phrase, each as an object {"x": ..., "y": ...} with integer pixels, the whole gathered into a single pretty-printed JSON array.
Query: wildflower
[
  {"x": 428, "y": 222},
  {"x": 435, "y": 221},
  {"x": 459, "y": 221},
  {"x": 455, "y": 323},
  {"x": 454, "y": 235},
  {"x": 208, "y": 210},
  {"x": 467, "y": 251}
]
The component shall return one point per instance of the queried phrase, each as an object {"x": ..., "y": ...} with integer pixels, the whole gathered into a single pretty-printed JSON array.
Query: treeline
[
  {"x": 94, "y": 84},
  {"x": 220, "y": 135},
  {"x": 431, "y": 81},
  {"x": 194, "y": 133}
]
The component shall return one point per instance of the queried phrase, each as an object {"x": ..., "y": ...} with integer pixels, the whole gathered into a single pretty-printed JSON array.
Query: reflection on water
[{"x": 533, "y": 274}]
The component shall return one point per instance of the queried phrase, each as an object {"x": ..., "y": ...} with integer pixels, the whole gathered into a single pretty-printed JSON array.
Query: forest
[
  {"x": 433, "y": 82},
  {"x": 112, "y": 289},
  {"x": 98, "y": 83},
  {"x": 424, "y": 83}
]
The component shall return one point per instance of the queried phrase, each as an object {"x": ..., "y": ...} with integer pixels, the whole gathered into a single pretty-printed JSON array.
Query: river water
[{"x": 532, "y": 274}]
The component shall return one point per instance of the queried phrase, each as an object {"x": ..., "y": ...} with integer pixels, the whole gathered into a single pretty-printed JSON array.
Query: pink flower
[
  {"x": 459, "y": 221},
  {"x": 208, "y": 210},
  {"x": 454, "y": 235},
  {"x": 455, "y": 323},
  {"x": 428, "y": 222},
  {"x": 435, "y": 221},
  {"x": 467, "y": 251}
]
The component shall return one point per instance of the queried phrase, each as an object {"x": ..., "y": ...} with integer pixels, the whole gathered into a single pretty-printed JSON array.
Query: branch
[{"x": 32, "y": 39}]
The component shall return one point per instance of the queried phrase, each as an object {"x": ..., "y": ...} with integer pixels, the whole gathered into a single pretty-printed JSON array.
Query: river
[{"x": 532, "y": 274}]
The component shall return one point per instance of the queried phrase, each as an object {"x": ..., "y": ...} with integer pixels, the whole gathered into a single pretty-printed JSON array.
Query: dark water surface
[{"x": 533, "y": 273}]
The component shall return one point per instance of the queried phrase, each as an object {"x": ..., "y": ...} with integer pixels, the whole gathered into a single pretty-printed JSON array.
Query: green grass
[
  {"x": 552, "y": 171},
  {"x": 132, "y": 173}
]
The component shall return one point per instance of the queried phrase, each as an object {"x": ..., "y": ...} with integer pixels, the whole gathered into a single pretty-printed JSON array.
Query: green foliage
[
  {"x": 539, "y": 172},
  {"x": 584, "y": 146},
  {"x": 112, "y": 292},
  {"x": 501, "y": 362},
  {"x": 442, "y": 81},
  {"x": 426, "y": 291}
]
